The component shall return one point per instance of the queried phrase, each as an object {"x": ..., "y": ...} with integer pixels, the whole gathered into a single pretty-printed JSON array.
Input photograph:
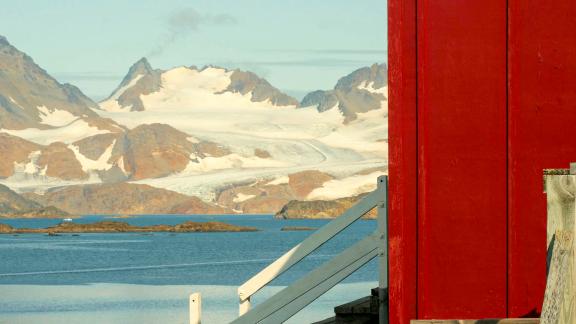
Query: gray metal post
[{"x": 383, "y": 249}]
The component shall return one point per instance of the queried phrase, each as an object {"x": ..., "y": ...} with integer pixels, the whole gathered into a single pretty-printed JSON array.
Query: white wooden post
[
  {"x": 195, "y": 308},
  {"x": 244, "y": 305},
  {"x": 383, "y": 249}
]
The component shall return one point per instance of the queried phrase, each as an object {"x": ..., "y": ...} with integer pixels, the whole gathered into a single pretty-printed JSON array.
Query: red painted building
[{"x": 482, "y": 99}]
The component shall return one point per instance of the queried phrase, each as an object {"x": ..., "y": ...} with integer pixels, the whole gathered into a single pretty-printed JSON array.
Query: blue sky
[{"x": 297, "y": 45}]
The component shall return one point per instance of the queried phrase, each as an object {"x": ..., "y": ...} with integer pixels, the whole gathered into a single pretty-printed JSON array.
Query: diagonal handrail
[
  {"x": 307, "y": 246},
  {"x": 293, "y": 298}
]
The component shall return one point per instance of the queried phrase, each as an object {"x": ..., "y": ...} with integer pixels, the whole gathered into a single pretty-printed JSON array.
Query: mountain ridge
[
  {"x": 142, "y": 80},
  {"x": 223, "y": 137}
]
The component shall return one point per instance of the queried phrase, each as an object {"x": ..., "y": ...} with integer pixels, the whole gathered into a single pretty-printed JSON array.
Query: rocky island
[
  {"x": 122, "y": 227},
  {"x": 297, "y": 209},
  {"x": 297, "y": 228}
]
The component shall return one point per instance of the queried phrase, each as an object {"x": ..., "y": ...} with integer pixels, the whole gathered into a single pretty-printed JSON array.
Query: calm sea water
[{"x": 146, "y": 277}]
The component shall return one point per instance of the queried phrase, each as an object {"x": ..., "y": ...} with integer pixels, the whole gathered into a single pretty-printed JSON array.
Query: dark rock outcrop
[
  {"x": 297, "y": 228},
  {"x": 158, "y": 150},
  {"x": 320, "y": 208},
  {"x": 323, "y": 100},
  {"x": 11, "y": 202},
  {"x": 247, "y": 82},
  {"x": 60, "y": 162},
  {"x": 14, "y": 150},
  {"x": 13, "y": 205},
  {"x": 122, "y": 227}
]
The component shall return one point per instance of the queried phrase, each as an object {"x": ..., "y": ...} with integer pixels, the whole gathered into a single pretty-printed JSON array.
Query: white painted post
[
  {"x": 244, "y": 305},
  {"x": 195, "y": 308},
  {"x": 383, "y": 248}
]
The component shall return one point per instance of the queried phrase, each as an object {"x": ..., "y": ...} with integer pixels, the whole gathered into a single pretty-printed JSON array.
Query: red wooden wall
[{"x": 482, "y": 98}]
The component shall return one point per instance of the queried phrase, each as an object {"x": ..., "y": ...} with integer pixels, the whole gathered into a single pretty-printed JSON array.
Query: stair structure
[{"x": 290, "y": 300}]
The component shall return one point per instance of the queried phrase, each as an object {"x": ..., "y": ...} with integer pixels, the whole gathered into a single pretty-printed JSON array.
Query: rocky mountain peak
[
  {"x": 358, "y": 92},
  {"x": 141, "y": 79},
  {"x": 376, "y": 75},
  {"x": 10, "y": 55},
  {"x": 4, "y": 41},
  {"x": 142, "y": 66},
  {"x": 25, "y": 86}
]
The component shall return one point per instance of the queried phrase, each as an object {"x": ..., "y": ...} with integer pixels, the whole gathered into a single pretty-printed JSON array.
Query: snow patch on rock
[
  {"x": 101, "y": 164},
  {"x": 15, "y": 102},
  {"x": 55, "y": 117},
  {"x": 70, "y": 133},
  {"x": 369, "y": 86},
  {"x": 346, "y": 187},
  {"x": 240, "y": 197},
  {"x": 278, "y": 181},
  {"x": 30, "y": 167},
  {"x": 120, "y": 164}
]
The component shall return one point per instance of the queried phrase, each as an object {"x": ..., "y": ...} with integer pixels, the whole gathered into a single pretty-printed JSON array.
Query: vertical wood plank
[
  {"x": 402, "y": 159},
  {"x": 462, "y": 153},
  {"x": 542, "y": 113}
]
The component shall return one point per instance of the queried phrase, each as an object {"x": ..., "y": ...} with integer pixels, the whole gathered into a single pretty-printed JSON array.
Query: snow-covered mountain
[
  {"x": 144, "y": 88},
  {"x": 212, "y": 104},
  {"x": 363, "y": 90},
  {"x": 51, "y": 134},
  {"x": 227, "y": 137}
]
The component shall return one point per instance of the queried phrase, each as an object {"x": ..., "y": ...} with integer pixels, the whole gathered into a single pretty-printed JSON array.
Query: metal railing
[{"x": 301, "y": 293}]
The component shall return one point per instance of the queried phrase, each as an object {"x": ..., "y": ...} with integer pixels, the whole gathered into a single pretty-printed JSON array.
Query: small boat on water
[{"x": 67, "y": 219}]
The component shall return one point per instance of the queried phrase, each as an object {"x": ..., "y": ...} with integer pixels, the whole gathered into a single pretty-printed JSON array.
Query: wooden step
[
  {"x": 483, "y": 321},
  {"x": 361, "y": 311}
]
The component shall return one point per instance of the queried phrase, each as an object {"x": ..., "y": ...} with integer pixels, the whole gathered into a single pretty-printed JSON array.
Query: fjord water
[{"x": 147, "y": 277}]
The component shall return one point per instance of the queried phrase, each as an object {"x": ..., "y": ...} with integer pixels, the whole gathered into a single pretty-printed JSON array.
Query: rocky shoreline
[{"x": 122, "y": 227}]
